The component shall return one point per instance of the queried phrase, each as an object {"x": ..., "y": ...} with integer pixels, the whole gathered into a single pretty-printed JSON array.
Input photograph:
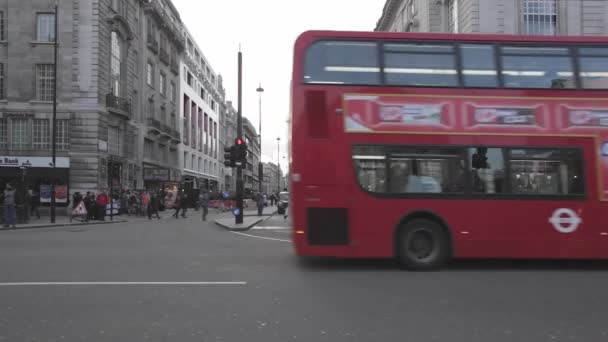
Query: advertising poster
[
  {"x": 593, "y": 121},
  {"x": 61, "y": 193},
  {"x": 393, "y": 113},
  {"x": 492, "y": 117}
]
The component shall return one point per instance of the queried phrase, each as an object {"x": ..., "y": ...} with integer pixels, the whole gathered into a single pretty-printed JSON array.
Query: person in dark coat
[{"x": 153, "y": 206}]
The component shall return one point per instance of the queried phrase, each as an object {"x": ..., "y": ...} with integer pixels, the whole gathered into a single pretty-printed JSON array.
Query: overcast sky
[{"x": 266, "y": 30}]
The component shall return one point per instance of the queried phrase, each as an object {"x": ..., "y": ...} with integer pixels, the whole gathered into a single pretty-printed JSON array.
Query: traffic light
[
  {"x": 230, "y": 156},
  {"x": 241, "y": 153}
]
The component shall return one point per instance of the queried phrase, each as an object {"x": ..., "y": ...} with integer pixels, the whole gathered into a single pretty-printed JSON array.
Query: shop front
[
  {"x": 161, "y": 180},
  {"x": 35, "y": 176}
]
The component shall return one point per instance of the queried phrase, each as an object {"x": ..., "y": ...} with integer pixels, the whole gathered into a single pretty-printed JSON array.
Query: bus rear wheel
[{"x": 422, "y": 245}]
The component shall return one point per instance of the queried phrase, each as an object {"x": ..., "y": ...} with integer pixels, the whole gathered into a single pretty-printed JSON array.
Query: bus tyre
[{"x": 422, "y": 245}]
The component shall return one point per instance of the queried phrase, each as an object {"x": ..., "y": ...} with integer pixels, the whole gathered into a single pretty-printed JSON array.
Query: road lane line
[
  {"x": 95, "y": 283},
  {"x": 271, "y": 228},
  {"x": 261, "y": 237}
]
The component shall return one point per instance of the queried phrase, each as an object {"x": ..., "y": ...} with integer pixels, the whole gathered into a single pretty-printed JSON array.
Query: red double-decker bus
[{"x": 430, "y": 146}]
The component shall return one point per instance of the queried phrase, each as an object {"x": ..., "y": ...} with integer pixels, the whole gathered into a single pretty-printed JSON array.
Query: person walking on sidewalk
[
  {"x": 181, "y": 203},
  {"x": 153, "y": 206},
  {"x": 10, "y": 211},
  {"x": 34, "y": 200},
  {"x": 102, "y": 201},
  {"x": 204, "y": 201}
]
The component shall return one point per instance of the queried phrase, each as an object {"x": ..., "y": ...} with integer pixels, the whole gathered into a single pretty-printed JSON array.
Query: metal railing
[
  {"x": 152, "y": 122},
  {"x": 119, "y": 104}
]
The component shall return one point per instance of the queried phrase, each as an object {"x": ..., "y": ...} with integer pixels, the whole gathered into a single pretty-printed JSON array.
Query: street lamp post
[
  {"x": 285, "y": 175},
  {"x": 54, "y": 123},
  {"x": 278, "y": 165},
  {"x": 260, "y": 90}
]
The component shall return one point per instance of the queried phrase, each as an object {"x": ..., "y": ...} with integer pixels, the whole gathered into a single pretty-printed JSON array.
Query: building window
[
  {"x": 190, "y": 79},
  {"x": 44, "y": 82},
  {"x": 2, "y": 89},
  {"x": 162, "y": 151},
  {"x": 45, "y": 27},
  {"x": 540, "y": 17},
  {"x": 172, "y": 92},
  {"x": 114, "y": 143},
  {"x": 115, "y": 63},
  {"x": 185, "y": 160},
  {"x": 19, "y": 133},
  {"x": 151, "y": 109},
  {"x": 119, "y": 7},
  {"x": 151, "y": 30},
  {"x": 150, "y": 74},
  {"x": 62, "y": 135},
  {"x": 162, "y": 84},
  {"x": 41, "y": 134},
  {"x": 3, "y": 133},
  {"x": 2, "y": 30},
  {"x": 148, "y": 149},
  {"x": 193, "y": 112}
]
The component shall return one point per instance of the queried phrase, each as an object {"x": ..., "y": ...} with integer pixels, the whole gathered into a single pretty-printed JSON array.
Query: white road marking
[
  {"x": 97, "y": 283},
  {"x": 262, "y": 237},
  {"x": 271, "y": 228}
]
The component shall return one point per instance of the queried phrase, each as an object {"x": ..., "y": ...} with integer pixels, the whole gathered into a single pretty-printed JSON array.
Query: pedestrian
[
  {"x": 10, "y": 211},
  {"x": 34, "y": 200},
  {"x": 153, "y": 206},
  {"x": 102, "y": 202},
  {"x": 204, "y": 201},
  {"x": 176, "y": 205},
  {"x": 183, "y": 204}
]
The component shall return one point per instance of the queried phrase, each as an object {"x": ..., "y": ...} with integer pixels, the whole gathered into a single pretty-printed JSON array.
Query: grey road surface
[{"x": 267, "y": 294}]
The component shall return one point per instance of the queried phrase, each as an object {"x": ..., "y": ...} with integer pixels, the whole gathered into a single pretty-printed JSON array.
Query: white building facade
[
  {"x": 201, "y": 96},
  {"x": 538, "y": 17}
]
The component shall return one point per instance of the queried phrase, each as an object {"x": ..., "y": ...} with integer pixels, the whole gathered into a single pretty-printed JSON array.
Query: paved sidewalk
[{"x": 64, "y": 221}]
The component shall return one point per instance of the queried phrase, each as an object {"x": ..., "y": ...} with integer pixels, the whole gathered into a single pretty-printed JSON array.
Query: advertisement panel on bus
[{"x": 481, "y": 115}]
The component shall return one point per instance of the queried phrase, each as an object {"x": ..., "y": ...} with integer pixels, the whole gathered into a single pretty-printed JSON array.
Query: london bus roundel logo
[{"x": 565, "y": 220}]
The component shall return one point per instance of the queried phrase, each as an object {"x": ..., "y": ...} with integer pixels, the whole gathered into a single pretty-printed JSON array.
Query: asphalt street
[{"x": 101, "y": 283}]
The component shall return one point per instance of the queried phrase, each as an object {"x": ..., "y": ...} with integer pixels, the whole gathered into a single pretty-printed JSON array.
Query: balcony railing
[
  {"x": 152, "y": 43},
  {"x": 154, "y": 125},
  {"x": 119, "y": 105},
  {"x": 170, "y": 24}
]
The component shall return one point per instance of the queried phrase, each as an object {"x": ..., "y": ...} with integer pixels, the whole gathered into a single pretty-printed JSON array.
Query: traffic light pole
[{"x": 239, "y": 135}]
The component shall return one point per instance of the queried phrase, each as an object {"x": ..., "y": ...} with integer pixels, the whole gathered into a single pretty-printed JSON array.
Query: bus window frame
[
  {"x": 573, "y": 54},
  {"x": 468, "y": 194}
]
